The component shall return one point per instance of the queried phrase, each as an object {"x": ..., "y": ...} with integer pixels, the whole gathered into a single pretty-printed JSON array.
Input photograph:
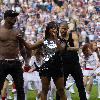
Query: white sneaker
[
  {"x": 98, "y": 97},
  {"x": 87, "y": 95},
  {"x": 9, "y": 98}
]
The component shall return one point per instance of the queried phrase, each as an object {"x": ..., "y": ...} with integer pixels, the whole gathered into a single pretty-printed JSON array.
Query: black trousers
[
  {"x": 14, "y": 68},
  {"x": 75, "y": 70}
]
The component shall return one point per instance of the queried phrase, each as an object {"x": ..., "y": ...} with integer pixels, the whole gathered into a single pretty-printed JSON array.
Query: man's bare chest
[{"x": 7, "y": 35}]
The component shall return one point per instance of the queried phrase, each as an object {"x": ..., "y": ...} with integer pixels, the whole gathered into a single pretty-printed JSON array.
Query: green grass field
[{"x": 94, "y": 93}]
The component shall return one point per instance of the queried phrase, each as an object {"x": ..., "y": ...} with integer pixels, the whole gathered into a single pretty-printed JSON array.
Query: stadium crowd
[{"x": 82, "y": 18}]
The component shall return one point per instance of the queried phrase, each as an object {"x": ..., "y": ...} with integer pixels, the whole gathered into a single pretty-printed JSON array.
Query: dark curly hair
[{"x": 49, "y": 26}]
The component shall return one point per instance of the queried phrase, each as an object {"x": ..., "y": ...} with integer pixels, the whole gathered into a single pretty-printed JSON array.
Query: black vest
[{"x": 70, "y": 56}]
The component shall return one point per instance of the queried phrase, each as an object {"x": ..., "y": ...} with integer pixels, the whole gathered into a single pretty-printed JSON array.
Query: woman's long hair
[{"x": 49, "y": 26}]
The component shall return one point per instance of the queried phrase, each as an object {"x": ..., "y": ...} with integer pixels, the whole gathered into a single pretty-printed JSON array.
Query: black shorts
[{"x": 55, "y": 69}]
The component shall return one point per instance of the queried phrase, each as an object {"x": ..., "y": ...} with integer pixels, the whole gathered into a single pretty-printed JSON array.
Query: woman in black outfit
[{"x": 51, "y": 51}]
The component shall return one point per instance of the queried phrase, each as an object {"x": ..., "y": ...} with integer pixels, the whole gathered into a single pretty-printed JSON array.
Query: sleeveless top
[
  {"x": 70, "y": 56},
  {"x": 50, "y": 51}
]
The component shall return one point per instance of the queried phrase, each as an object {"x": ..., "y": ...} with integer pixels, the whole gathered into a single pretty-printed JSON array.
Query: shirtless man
[{"x": 9, "y": 50}]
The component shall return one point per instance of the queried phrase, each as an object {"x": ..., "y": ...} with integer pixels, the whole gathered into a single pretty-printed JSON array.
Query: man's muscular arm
[
  {"x": 76, "y": 45},
  {"x": 30, "y": 46},
  {"x": 26, "y": 48}
]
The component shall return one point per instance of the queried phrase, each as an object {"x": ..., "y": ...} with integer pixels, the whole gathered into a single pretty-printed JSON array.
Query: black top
[
  {"x": 70, "y": 56},
  {"x": 50, "y": 51}
]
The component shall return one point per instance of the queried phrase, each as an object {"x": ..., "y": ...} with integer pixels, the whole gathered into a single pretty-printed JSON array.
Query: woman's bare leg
[
  {"x": 60, "y": 88},
  {"x": 45, "y": 87}
]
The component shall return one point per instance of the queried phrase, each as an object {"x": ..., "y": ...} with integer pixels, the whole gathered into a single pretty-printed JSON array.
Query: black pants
[
  {"x": 76, "y": 72},
  {"x": 14, "y": 68}
]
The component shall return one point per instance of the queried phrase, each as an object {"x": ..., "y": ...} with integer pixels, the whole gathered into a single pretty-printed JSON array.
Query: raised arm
[{"x": 74, "y": 43}]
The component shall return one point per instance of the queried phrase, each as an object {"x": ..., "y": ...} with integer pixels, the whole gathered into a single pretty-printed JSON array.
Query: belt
[
  {"x": 88, "y": 68},
  {"x": 9, "y": 60}
]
